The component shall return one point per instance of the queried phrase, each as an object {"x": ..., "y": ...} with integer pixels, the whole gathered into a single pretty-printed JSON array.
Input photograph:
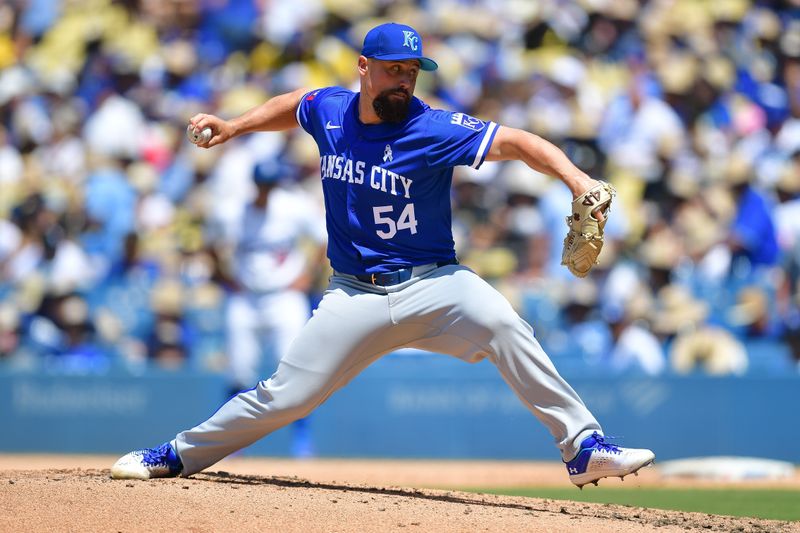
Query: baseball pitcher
[{"x": 386, "y": 163}]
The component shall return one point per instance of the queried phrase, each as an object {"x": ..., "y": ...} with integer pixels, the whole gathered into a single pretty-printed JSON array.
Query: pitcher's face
[{"x": 390, "y": 85}]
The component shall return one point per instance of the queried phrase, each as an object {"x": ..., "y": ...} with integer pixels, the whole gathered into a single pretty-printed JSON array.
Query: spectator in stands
[
  {"x": 787, "y": 212},
  {"x": 79, "y": 344},
  {"x": 110, "y": 203},
  {"x": 787, "y": 228},
  {"x": 63, "y": 332},
  {"x": 634, "y": 126},
  {"x": 521, "y": 220},
  {"x": 693, "y": 343},
  {"x": 750, "y": 316},
  {"x": 700, "y": 222},
  {"x": 752, "y": 232},
  {"x": 589, "y": 335},
  {"x": 635, "y": 348},
  {"x": 660, "y": 253},
  {"x": 44, "y": 245},
  {"x": 170, "y": 337}
]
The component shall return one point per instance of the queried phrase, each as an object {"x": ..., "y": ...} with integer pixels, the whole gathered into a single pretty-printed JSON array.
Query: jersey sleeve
[
  {"x": 316, "y": 106},
  {"x": 458, "y": 139}
]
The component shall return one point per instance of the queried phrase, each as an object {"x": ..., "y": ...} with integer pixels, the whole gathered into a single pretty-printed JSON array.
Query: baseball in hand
[{"x": 198, "y": 138}]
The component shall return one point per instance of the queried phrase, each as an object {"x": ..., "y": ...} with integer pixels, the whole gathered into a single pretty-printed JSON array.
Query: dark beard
[{"x": 391, "y": 109}]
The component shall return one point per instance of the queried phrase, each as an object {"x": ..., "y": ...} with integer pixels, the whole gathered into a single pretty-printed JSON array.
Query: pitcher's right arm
[{"x": 276, "y": 114}]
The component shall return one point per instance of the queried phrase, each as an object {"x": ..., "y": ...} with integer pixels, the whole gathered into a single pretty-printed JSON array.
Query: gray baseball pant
[{"x": 448, "y": 310}]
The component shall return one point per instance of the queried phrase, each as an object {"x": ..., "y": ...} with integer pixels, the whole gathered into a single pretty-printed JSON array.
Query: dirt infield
[{"x": 75, "y": 493}]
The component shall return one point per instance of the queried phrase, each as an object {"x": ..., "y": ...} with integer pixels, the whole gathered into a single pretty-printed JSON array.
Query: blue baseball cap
[{"x": 396, "y": 42}]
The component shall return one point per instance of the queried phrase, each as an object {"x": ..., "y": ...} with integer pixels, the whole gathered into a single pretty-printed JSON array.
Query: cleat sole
[{"x": 635, "y": 472}]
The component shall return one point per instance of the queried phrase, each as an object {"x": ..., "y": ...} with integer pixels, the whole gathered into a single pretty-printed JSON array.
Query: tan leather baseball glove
[{"x": 584, "y": 240}]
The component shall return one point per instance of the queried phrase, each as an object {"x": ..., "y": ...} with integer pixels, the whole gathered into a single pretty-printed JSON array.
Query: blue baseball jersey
[{"x": 387, "y": 186}]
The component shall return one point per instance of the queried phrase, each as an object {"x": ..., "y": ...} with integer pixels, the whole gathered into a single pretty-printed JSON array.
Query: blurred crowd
[{"x": 113, "y": 232}]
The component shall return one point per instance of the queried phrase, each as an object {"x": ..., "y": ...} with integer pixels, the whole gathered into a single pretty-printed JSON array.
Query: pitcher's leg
[
  {"x": 286, "y": 315},
  {"x": 291, "y": 393},
  {"x": 532, "y": 376},
  {"x": 471, "y": 320},
  {"x": 347, "y": 332}
]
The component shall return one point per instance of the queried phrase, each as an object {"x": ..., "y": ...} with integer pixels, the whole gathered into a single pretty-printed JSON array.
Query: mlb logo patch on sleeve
[{"x": 467, "y": 121}]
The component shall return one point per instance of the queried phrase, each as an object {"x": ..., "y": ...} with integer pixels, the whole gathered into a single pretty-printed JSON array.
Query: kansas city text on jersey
[{"x": 338, "y": 167}]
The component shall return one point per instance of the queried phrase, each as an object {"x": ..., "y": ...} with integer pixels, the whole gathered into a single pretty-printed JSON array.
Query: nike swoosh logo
[{"x": 330, "y": 126}]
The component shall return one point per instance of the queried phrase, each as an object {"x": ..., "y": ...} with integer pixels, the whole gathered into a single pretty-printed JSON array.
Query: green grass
[{"x": 777, "y": 504}]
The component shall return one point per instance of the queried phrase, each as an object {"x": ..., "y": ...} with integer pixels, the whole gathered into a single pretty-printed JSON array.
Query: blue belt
[{"x": 386, "y": 279}]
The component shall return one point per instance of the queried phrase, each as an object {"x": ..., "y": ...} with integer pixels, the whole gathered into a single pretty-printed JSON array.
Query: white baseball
[{"x": 198, "y": 138}]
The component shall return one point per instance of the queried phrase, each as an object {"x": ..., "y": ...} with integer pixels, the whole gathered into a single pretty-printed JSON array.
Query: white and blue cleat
[
  {"x": 162, "y": 461},
  {"x": 598, "y": 459}
]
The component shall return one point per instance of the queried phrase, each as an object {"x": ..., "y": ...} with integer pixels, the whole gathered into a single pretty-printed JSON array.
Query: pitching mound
[{"x": 87, "y": 499}]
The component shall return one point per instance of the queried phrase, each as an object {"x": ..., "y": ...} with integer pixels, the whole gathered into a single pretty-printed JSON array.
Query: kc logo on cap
[
  {"x": 412, "y": 39},
  {"x": 396, "y": 42}
]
